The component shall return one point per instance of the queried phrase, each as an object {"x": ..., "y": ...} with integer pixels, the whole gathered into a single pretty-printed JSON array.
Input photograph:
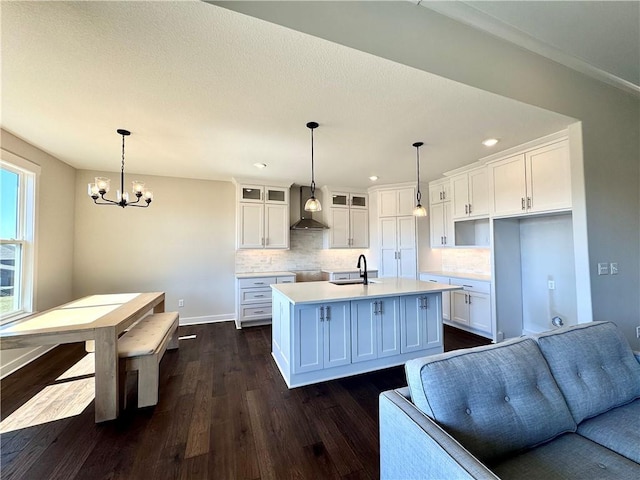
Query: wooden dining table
[{"x": 101, "y": 318}]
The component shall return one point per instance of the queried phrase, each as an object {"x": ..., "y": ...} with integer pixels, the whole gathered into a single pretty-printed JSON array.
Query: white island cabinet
[{"x": 322, "y": 331}]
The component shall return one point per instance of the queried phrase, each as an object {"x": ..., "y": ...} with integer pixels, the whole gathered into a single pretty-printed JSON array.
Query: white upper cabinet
[
  {"x": 262, "y": 216},
  {"x": 397, "y": 202},
  {"x": 441, "y": 225},
  {"x": 470, "y": 192},
  {"x": 398, "y": 254},
  {"x": 535, "y": 181},
  {"x": 347, "y": 215},
  {"x": 439, "y": 191}
]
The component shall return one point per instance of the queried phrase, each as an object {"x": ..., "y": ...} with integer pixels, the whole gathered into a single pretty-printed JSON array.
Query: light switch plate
[
  {"x": 614, "y": 268},
  {"x": 603, "y": 269}
]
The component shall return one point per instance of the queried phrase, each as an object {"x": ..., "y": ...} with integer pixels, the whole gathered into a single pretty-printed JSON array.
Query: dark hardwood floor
[{"x": 224, "y": 413}]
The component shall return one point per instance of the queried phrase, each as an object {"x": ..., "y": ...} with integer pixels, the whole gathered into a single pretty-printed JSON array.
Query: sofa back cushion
[
  {"x": 594, "y": 367},
  {"x": 494, "y": 400}
]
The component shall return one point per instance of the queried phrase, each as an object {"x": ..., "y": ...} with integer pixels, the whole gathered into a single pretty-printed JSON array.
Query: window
[{"x": 17, "y": 239}]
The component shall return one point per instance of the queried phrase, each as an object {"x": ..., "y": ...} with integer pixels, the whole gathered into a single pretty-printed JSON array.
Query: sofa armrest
[
  {"x": 412, "y": 445},
  {"x": 637, "y": 355}
]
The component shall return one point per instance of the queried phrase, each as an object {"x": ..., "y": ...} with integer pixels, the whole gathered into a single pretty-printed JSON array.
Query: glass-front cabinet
[{"x": 264, "y": 194}]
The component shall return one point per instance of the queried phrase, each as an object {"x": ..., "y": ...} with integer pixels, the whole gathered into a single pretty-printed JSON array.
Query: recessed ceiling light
[
  {"x": 373, "y": 178},
  {"x": 490, "y": 142},
  {"x": 259, "y": 165}
]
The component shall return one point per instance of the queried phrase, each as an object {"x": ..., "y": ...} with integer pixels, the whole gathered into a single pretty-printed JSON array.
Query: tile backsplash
[
  {"x": 466, "y": 260},
  {"x": 306, "y": 253}
]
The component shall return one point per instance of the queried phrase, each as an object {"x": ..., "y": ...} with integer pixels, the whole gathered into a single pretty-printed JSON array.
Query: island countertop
[{"x": 315, "y": 292}]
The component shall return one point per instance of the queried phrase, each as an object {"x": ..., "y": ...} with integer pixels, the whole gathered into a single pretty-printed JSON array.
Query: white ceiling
[
  {"x": 598, "y": 38},
  {"x": 207, "y": 92}
]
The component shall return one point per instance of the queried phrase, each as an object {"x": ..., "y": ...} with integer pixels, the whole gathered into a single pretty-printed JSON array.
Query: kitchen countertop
[
  {"x": 470, "y": 276},
  {"x": 264, "y": 274},
  {"x": 316, "y": 292}
]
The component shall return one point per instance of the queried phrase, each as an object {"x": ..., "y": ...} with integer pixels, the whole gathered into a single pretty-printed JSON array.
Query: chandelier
[{"x": 101, "y": 186}]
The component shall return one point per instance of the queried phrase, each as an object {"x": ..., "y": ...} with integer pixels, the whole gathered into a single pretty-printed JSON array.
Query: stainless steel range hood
[{"x": 306, "y": 222}]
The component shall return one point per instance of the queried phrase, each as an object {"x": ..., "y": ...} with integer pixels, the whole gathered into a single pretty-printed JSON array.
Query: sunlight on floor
[
  {"x": 71, "y": 393},
  {"x": 187, "y": 337}
]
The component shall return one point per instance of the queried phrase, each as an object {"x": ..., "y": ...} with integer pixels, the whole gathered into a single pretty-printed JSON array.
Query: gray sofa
[{"x": 565, "y": 404}]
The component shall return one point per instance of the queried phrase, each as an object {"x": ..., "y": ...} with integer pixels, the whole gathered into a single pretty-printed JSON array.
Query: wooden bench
[{"x": 141, "y": 348}]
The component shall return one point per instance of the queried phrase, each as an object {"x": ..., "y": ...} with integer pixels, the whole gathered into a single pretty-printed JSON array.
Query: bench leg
[
  {"x": 122, "y": 380},
  {"x": 148, "y": 377}
]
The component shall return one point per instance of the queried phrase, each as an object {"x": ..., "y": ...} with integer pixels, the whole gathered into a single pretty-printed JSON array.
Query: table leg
[
  {"x": 159, "y": 308},
  {"x": 106, "y": 362}
]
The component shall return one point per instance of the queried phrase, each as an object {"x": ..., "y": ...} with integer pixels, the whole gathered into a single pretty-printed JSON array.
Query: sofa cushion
[
  {"x": 593, "y": 366},
  {"x": 494, "y": 400},
  {"x": 568, "y": 456},
  {"x": 617, "y": 429}
]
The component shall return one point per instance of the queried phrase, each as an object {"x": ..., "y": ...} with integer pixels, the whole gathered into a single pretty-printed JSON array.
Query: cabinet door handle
[
  {"x": 469, "y": 209},
  {"x": 328, "y": 313},
  {"x": 259, "y": 296},
  {"x": 523, "y": 207},
  {"x": 380, "y": 307},
  {"x": 258, "y": 283},
  {"x": 466, "y": 298},
  {"x": 466, "y": 209},
  {"x": 322, "y": 314},
  {"x": 375, "y": 307},
  {"x": 441, "y": 194},
  {"x": 426, "y": 302},
  {"x": 528, "y": 202},
  {"x": 259, "y": 311},
  {"x": 421, "y": 302},
  {"x": 469, "y": 299}
]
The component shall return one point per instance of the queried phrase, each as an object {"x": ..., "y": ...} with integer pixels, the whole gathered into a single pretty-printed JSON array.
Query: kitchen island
[{"x": 323, "y": 331}]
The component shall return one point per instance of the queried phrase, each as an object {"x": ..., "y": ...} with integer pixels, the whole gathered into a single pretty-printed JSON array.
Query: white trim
[
  {"x": 467, "y": 14},
  {"x": 28, "y": 357},
  {"x": 391, "y": 186},
  {"x": 227, "y": 317}
]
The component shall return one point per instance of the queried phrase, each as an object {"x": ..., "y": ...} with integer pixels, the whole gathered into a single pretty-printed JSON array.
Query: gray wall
[
  {"x": 54, "y": 235},
  {"x": 607, "y": 215},
  {"x": 183, "y": 244}
]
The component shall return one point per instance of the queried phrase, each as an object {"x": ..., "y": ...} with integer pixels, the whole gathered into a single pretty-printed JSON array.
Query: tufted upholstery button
[
  {"x": 468, "y": 411},
  {"x": 602, "y": 466},
  {"x": 602, "y": 367},
  {"x": 579, "y": 375},
  {"x": 506, "y": 398}
]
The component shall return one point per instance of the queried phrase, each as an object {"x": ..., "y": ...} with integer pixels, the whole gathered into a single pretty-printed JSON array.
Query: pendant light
[
  {"x": 312, "y": 204},
  {"x": 100, "y": 188},
  {"x": 419, "y": 210}
]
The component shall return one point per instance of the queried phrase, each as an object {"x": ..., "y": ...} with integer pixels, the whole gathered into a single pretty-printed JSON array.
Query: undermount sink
[{"x": 354, "y": 281}]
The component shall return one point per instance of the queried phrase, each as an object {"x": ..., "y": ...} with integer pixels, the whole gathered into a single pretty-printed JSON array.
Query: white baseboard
[
  {"x": 229, "y": 317},
  {"x": 19, "y": 362}
]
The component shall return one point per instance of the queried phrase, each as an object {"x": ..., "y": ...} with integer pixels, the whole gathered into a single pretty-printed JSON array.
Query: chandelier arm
[
  {"x": 138, "y": 206},
  {"x": 109, "y": 202}
]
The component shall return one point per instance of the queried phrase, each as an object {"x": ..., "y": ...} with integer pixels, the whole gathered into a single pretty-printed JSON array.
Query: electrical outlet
[
  {"x": 603, "y": 269},
  {"x": 552, "y": 284},
  {"x": 638, "y": 331},
  {"x": 614, "y": 268},
  {"x": 181, "y": 303}
]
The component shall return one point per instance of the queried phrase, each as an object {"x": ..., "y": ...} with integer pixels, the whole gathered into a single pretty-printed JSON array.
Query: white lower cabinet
[
  {"x": 253, "y": 296},
  {"x": 421, "y": 325},
  {"x": 375, "y": 328},
  {"x": 471, "y": 307},
  {"x": 323, "y": 339}
]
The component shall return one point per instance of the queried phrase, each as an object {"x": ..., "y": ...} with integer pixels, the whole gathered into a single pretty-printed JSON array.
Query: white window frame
[{"x": 28, "y": 174}]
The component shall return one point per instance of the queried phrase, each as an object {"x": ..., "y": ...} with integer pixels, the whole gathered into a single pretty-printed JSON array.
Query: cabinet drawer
[
  {"x": 256, "y": 282},
  {"x": 255, "y": 311},
  {"x": 255, "y": 295},
  {"x": 289, "y": 279},
  {"x": 434, "y": 278},
  {"x": 472, "y": 285}
]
